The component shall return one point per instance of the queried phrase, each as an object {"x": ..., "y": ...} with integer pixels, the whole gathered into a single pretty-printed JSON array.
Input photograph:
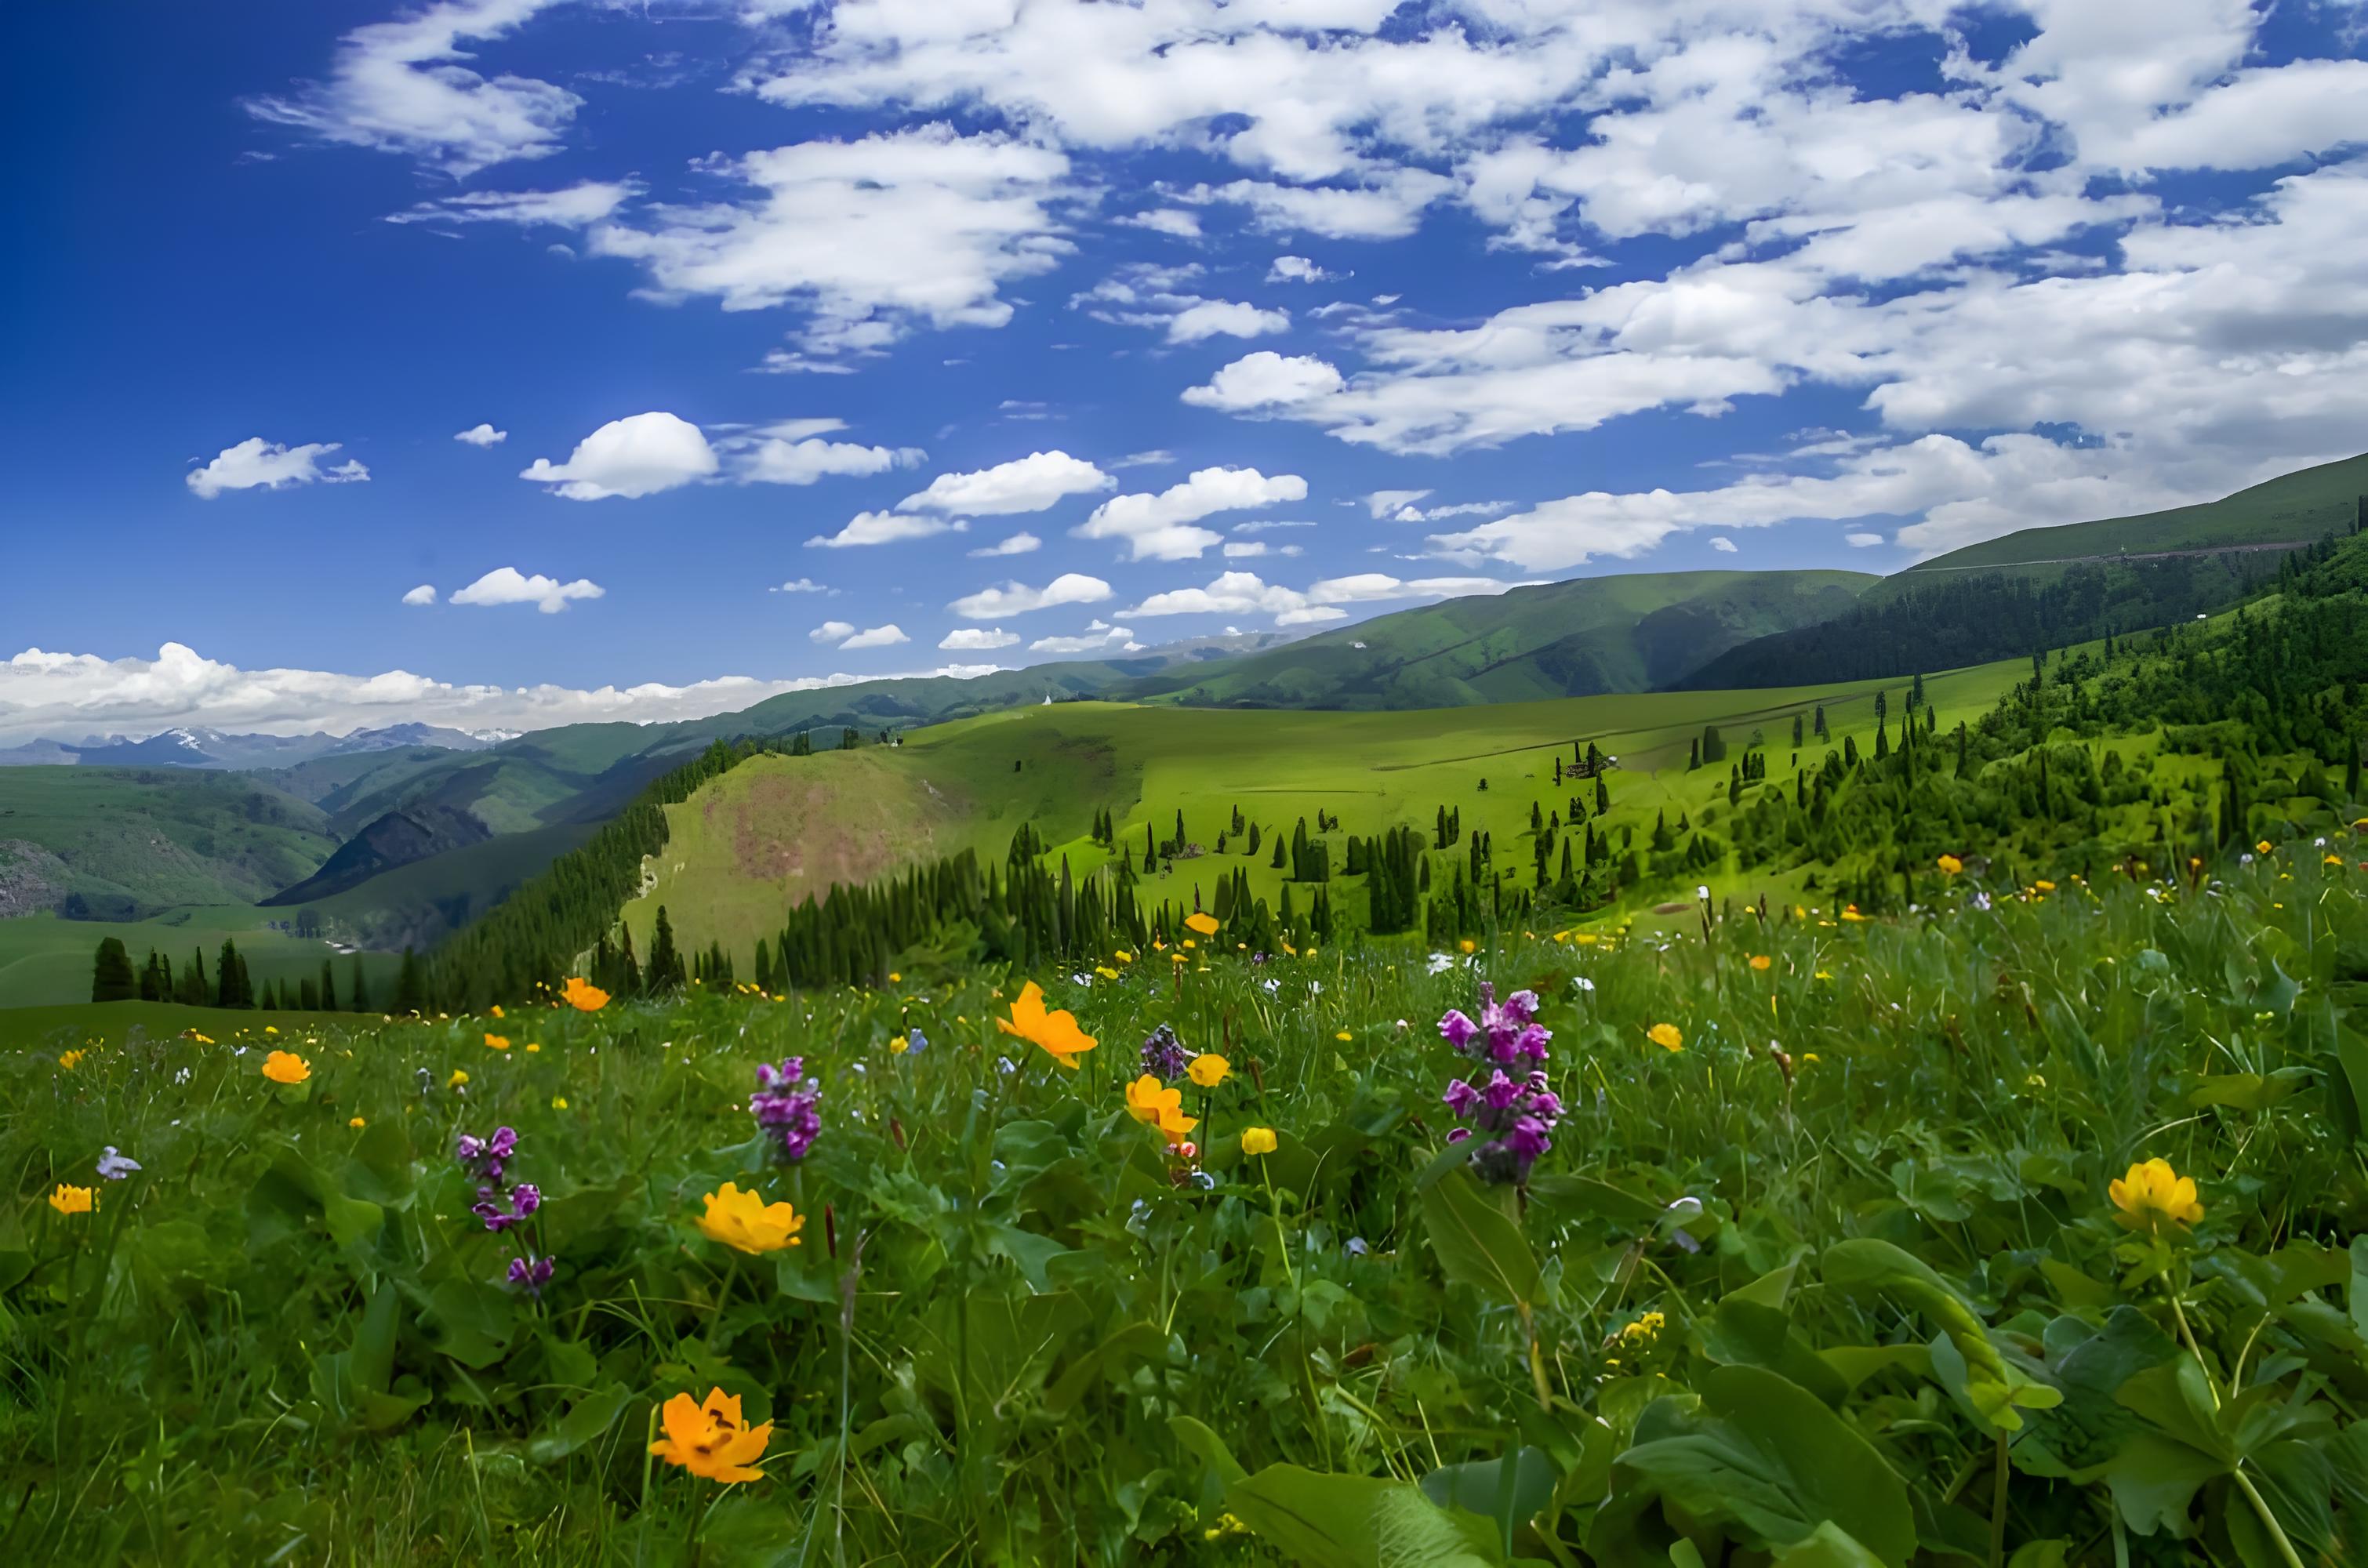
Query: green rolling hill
[
  {"x": 1589, "y": 637},
  {"x": 116, "y": 843}
]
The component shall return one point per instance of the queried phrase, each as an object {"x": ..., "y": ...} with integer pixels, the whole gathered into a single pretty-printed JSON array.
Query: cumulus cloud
[
  {"x": 1173, "y": 221},
  {"x": 257, "y": 464},
  {"x": 1862, "y": 540},
  {"x": 1021, "y": 543},
  {"x": 639, "y": 455},
  {"x": 507, "y": 586},
  {"x": 883, "y": 528},
  {"x": 482, "y": 436},
  {"x": 1266, "y": 382},
  {"x": 1159, "y": 526},
  {"x": 1024, "y": 485},
  {"x": 1296, "y": 269},
  {"x": 71, "y": 695},
  {"x": 870, "y": 237},
  {"x": 1142, "y": 294},
  {"x": 793, "y": 452},
  {"x": 801, "y": 586},
  {"x": 977, "y": 638},
  {"x": 1723, "y": 544},
  {"x": 1017, "y": 598},
  {"x": 399, "y": 86},
  {"x": 877, "y": 637},
  {"x": 832, "y": 632},
  {"x": 1246, "y": 592},
  {"x": 1097, "y": 639},
  {"x": 423, "y": 594}
]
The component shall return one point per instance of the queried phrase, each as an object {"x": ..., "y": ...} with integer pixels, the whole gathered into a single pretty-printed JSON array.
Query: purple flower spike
[
  {"x": 1515, "y": 1117},
  {"x": 1163, "y": 1056},
  {"x": 1457, "y": 1029},
  {"x": 1461, "y": 1097}
]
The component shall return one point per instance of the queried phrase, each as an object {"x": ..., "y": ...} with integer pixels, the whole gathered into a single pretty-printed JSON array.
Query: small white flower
[
  {"x": 1701, "y": 892},
  {"x": 1315, "y": 988},
  {"x": 1005, "y": 1064},
  {"x": 1442, "y": 962},
  {"x": 115, "y": 1166},
  {"x": 1271, "y": 986},
  {"x": 1580, "y": 983},
  {"x": 1085, "y": 980}
]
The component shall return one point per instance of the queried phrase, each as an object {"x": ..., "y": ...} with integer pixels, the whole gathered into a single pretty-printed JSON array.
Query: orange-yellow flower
[
  {"x": 582, "y": 996},
  {"x": 1153, "y": 1103},
  {"x": 1257, "y": 1140},
  {"x": 1208, "y": 1070},
  {"x": 286, "y": 1067},
  {"x": 460, "y": 1076},
  {"x": 1204, "y": 923},
  {"x": 70, "y": 1060},
  {"x": 357, "y": 1123},
  {"x": 1055, "y": 1033},
  {"x": 1466, "y": 945},
  {"x": 711, "y": 1439},
  {"x": 2263, "y": 848},
  {"x": 744, "y": 1220},
  {"x": 498, "y": 1042},
  {"x": 1667, "y": 1036},
  {"x": 2152, "y": 1193},
  {"x": 73, "y": 1199},
  {"x": 1762, "y": 961},
  {"x": 1950, "y": 865}
]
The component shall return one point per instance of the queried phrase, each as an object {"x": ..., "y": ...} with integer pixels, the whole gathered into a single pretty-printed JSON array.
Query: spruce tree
[
  {"x": 111, "y": 979},
  {"x": 226, "y": 976},
  {"x": 328, "y": 987},
  {"x": 358, "y": 988},
  {"x": 665, "y": 970},
  {"x": 410, "y": 986}
]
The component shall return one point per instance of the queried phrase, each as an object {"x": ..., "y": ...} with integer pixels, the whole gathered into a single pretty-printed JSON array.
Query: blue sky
[{"x": 1643, "y": 285}]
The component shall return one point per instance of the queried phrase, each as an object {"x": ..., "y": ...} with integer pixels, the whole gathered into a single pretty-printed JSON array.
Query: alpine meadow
[{"x": 1287, "y": 783}]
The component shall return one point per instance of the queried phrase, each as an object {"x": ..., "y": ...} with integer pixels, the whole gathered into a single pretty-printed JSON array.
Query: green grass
[
  {"x": 1742, "y": 1297},
  {"x": 1631, "y": 631},
  {"x": 157, "y": 836},
  {"x": 2293, "y": 506},
  {"x": 418, "y": 904},
  {"x": 45, "y": 962},
  {"x": 726, "y": 876}
]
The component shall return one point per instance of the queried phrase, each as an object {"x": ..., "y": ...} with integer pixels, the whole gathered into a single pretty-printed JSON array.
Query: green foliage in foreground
[{"x": 1836, "y": 1283}]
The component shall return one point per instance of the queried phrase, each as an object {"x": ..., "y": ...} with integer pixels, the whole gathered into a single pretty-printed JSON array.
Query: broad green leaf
[
  {"x": 1217, "y": 1461},
  {"x": 1478, "y": 1243},
  {"x": 2359, "y": 1286},
  {"x": 2040, "y": 1554},
  {"x": 2154, "y": 1482},
  {"x": 1828, "y": 1546},
  {"x": 1478, "y": 1486},
  {"x": 1760, "y": 1456},
  {"x": 1352, "y": 1521},
  {"x": 586, "y": 1422},
  {"x": 1028, "y": 1252},
  {"x": 1878, "y": 1267}
]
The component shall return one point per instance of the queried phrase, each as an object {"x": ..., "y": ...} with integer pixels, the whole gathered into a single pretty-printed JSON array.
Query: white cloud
[
  {"x": 1097, "y": 639},
  {"x": 765, "y": 458},
  {"x": 877, "y": 637},
  {"x": 1174, "y": 220},
  {"x": 1723, "y": 544},
  {"x": 801, "y": 586},
  {"x": 255, "y": 463},
  {"x": 976, "y": 639},
  {"x": 1389, "y": 208},
  {"x": 1862, "y": 540},
  {"x": 1157, "y": 457},
  {"x": 1223, "y": 318},
  {"x": 869, "y": 237},
  {"x": 1024, "y": 485},
  {"x": 1267, "y": 525},
  {"x": 1017, "y": 598},
  {"x": 1021, "y": 543},
  {"x": 399, "y": 86},
  {"x": 1389, "y": 503},
  {"x": 1158, "y": 527},
  {"x": 483, "y": 435},
  {"x": 1266, "y": 380},
  {"x": 423, "y": 594},
  {"x": 832, "y": 632},
  {"x": 1245, "y": 593},
  {"x": 73, "y": 695},
  {"x": 884, "y": 527},
  {"x": 507, "y": 586},
  {"x": 1296, "y": 269},
  {"x": 639, "y": 455},
  {"x": 573, "y": 208},
  {"x": 1142, "y": 294}
]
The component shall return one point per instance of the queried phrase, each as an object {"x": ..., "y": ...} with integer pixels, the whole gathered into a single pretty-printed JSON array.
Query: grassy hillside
[
  {"x": 2293, "y": 508},
  {"x": 45, "y": 962},
  {"x": 127, "y": 840},
  {"x": 419, "y": 904},
  {"x": 1595, "y": 635},
  {"x": 728, "y": 873}
]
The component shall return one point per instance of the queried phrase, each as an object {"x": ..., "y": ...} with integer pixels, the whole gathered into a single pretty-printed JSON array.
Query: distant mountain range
[{"x": 219, "y": 749}]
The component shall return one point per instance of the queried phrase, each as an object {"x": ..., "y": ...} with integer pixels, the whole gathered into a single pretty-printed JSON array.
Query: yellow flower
[
  {"x": 2152, "y": 1193},
  {"x": 458, "y": 1078},
  {"x": 1466, "y": 945},
  {"x": 531, "y": 1047},
  {"x": 1056, "y": 1033},
  {"x": 357, "y": 1123},
  {"x": 1950, "y": 865},
  {"x": 1206, "y": 925},
  {"x": 1587, "y": 938},
  {"x": 1667, "y": 1036},
  {"x": 498, "y": 1042},
  {"x": 1154, "y": 1104},
  {"x": 744, "y": 1220},
  {"x": 582, "y": 996},
  {"x": 271, "y": 1028},
  {"x": 2332, "y": 861},
  {"x": 2262, "y": 847},
  {"x": 1344, "y": 1035},
  {"x": 1851, "y": 913},
  {"x": 1123, "y": 956},
  {"x": 1762, "y": 961},
  {"x": 1824, "y": 975},
  {"x": 1208, "y": 1070},
  {"x": 894, "y": 978},
  {"x": 711, "y": 1439},
  {"x": 72, "y": 1060},
  {"x": 1189, "y": 942},
  {"x": 2044, "y": 885},
  {"x": 1257, "y": 1140},
  {"x": 498, "y": 1010},
  {"x": 559, "y": 1102},
  {"x": 286, "y": 1067},
  {"x": 73, "y": 1199},
  {"x": 200, "y": 1039},
  {"x": 1105, "y": 971}
]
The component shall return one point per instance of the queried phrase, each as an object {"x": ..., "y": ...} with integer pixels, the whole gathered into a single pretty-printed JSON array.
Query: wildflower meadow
[{"x": 2026, "y": 1227}]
